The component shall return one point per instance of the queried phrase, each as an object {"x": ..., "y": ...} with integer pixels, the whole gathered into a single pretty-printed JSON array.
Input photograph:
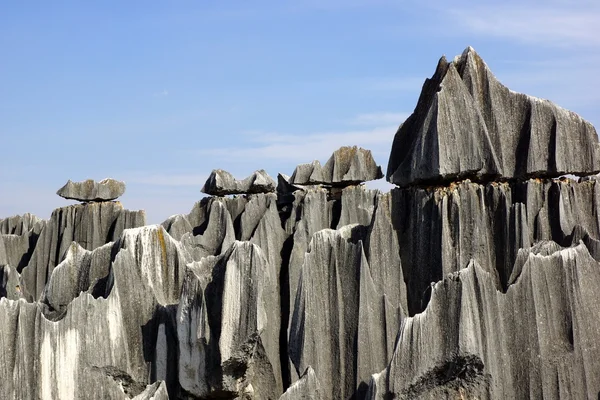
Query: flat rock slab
[
  {"x": 221, "y": 183},
  {"x": 468, "y": 125},
  {"x": 346, "y": 166},
  {"x": 90, "y": 190}
]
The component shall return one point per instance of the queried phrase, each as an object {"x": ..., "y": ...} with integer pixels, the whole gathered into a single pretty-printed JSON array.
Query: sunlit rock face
[
  {"x": 477, "y": 277},
  {"x": 468, "y": 125},
  {"x": 90, "y": 190}
]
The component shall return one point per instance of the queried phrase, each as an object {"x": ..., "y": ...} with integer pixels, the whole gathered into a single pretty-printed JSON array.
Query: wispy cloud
[
  {"x": 305, "y": 148},
  {"x": 379, "y": 118},
  {"x": 550, "y": 24},
  {"x": 162, "y": 93}
]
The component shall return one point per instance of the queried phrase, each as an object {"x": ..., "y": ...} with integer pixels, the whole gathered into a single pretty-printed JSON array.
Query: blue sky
[{"x": 159, "y": 93}]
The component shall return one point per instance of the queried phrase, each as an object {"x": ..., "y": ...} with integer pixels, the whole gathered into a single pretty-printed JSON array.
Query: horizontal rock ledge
[{"x": 89, "y": 190}]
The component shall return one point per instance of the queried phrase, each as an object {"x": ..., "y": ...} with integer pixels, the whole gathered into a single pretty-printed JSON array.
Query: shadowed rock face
[
  {"x": 90, "y": 190},
  {"x": 463, "y": 289},
  {"x": 467, "y": 124}
]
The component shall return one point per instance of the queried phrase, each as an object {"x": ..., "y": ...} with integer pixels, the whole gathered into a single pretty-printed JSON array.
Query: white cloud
[
  {"x": 550, "y": 24},
  {"x": 163, "y": 93},
  {"x": 305, "y": 148}
]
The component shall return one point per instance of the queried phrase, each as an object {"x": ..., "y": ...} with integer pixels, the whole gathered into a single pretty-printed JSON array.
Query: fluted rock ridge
[{"x": 469, "y": 125}]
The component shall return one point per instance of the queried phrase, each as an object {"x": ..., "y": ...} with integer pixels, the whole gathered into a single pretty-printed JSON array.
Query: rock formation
[
  {"x": 90, "y": 190},
  {"x": 346, "y": 166},
  {"x": 477, "y": 277},
  {"x": 221, "y": 183},
  {"x": 468, "y": 125}
]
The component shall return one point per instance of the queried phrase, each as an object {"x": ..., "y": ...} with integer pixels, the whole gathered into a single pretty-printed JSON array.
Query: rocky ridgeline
[{"x": 477, "y": 277}]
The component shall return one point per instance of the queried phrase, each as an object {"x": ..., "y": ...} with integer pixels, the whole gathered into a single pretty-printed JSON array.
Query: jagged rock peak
[
  {"x": 468, "y": 124},
  {"x": 221, "y": 183},
  {"x": 90, "y": 190},
  {"x": 346, "y": 166}
]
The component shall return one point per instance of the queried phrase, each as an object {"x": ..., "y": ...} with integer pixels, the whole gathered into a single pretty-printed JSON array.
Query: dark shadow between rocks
[{"x": 159, "y": 337}]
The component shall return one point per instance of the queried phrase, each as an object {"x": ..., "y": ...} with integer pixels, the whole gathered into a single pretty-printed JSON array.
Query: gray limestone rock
[
  {"x": 10, "y": 286},
  {"x": 306, "y": 388},
  {"x": 91, "y": 225},
  {"x": 467, "y": 124},
  {"x": 221, "y": 183},
  {"x": 342, "y": 325},
  {"x": 20, "y": 224},
  {"x": 346, "y": 166},
  {"x": 228, "y": 326},
  {"x": 537, "y": 340},
  {"x": 110, "y": 344},
  {"x": 90, "y": 190},
  {"x": 440, "y": 229}
]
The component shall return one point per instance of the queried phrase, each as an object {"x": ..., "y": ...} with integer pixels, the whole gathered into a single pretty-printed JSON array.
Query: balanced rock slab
[
  {"x": 221, "y": 183},
  {"x": 90, "y": 190},
  {"x": 346, "y": 166},
  {"x": 468, "y": 124}
]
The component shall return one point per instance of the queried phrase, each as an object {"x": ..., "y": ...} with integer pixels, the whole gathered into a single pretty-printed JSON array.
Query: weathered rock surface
[
  {"x": 488, "y": 223},
  {"x": 467, "y": 124},
  {"x": 346, "y": 166},
  {"x": 306, "y": 388},
  {"x": 90, "y": 190},
  {"x": 228, "y": 325},
  {"x": 342, "y": 325},
  {"x": 221, "y": 183},
  {"x": 109, "y": 342},
  {"x": 91, "y": 225},
  {"x": 19, "y": 224},
  {"x": 537, "y": 340}
]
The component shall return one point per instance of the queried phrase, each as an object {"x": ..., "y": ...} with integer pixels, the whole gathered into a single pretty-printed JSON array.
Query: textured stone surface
[
  {"x": 228, "y": 326},
  {"x": 537, "y": 340},
  {"x": 342, "y": 324},
  {"x": 467, "y": 124},
  {"x": 346, "y": 166},
  {"x": 488, "y": 223},
  {"x": 109, "y": 342},
  {"x": 91, "y": 225},
  {"x": 221, "y": 183},
  {"x": 90, "y": 190},
  {"x": 19, "y": 224},
  {"x": 306, "y": 388}
]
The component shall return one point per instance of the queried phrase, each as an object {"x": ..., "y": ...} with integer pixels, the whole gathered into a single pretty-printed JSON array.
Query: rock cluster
[
  {"x": 90, "y": 190},
  {"x": 474, "y": 288},
  {"x": 221, "y": 183},
  {"x": 346, "y": 166}
]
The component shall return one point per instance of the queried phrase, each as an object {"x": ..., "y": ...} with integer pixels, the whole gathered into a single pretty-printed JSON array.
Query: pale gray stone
[
  {"x": 346, "y": 166},
  {"x": 467, "y": 124},
  {"x": 90, "y": 190},
  {"x": 221, "y": 183}
]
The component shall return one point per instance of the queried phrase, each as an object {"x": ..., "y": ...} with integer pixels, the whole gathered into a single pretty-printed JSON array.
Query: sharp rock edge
[{"x": 467, "y": 124}]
